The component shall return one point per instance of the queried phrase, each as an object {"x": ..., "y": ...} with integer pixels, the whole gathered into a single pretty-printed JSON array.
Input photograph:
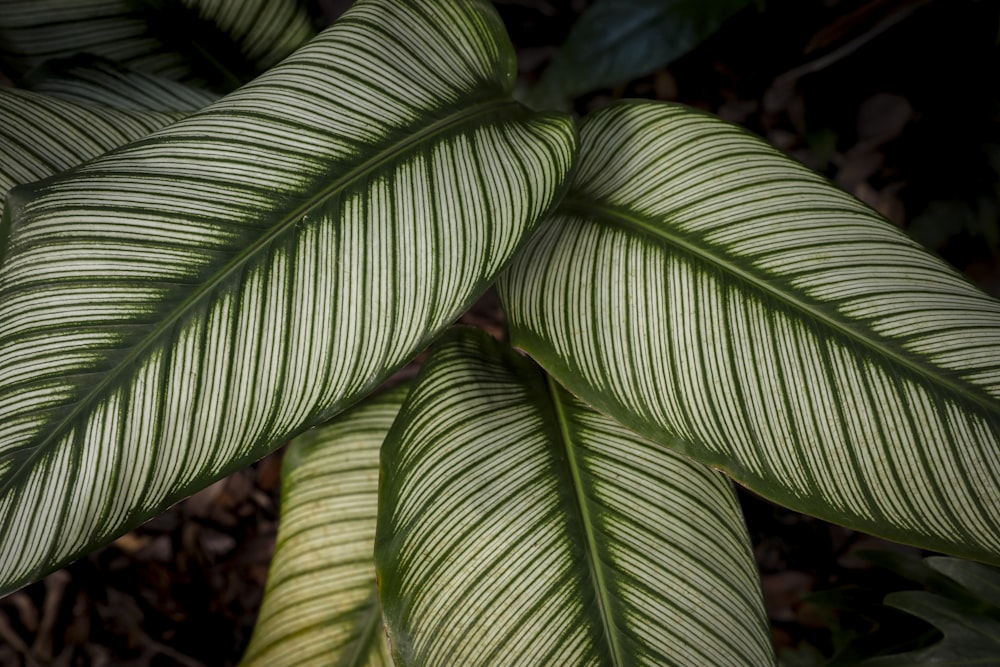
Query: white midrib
[
  {"x": 592, "y": 210},
  {"x": 586, "y": 520},
  {"x": 259, "y": 246}
]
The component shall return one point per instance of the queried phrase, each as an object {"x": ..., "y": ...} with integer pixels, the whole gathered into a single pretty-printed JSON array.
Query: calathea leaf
[
  {"x": 42, "y": 136},
  {"x": 223, "y": 43},
  {"x": 97, "y": 81},
  {"x": 321, "y": 606},
  {"x": 713, "y": 295},
  {"x": 518, "y": 526},
  {"x": 177, "y": 308}
]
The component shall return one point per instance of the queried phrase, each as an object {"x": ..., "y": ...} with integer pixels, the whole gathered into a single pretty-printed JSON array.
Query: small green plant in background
[{"x": 182, "y": 292}]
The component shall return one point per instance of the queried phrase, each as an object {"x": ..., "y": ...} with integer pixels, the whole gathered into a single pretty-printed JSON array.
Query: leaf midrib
[
  {"x": 590, "y": 209},
  {"x": 587, "y": 521},
  {"x": 466, "y": 114}
]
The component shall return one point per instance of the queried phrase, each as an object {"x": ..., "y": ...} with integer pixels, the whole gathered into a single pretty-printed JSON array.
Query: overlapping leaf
[
  {"x": 714, "y": 295},
  {"x": 97, "y": 81},
  {"x": 517, "y": 526},
  {"x": 179, "y": 307},
  {"x": 224, "y": 42},
  {"x": 321, "y": 606},
  {"x": 42, "y": 136}
]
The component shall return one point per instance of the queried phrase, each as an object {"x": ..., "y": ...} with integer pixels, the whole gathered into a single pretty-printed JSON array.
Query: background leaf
[
  {"x": 42, "y": 136},
  {"x": 321, "y": 606},
  {"x": 518, "y": 526},
  {"x": 710, "y": 293},
  {"x": 617, "y": 40},
  {"x": 181, "y": 306},
  {"x": 222, "y": 43},
  {"x": 97, "y": 81},
  {"x": 970, "y": 621}
]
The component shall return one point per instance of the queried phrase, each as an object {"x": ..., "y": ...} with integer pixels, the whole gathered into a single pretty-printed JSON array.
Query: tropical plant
[{"x": 181, "y": 294}]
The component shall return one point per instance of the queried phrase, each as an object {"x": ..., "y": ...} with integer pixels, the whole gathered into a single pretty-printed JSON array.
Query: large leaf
[
  {"x": 176, "y": 309},
  {"x": 224, "y": 42},
  {"x": 321, "y": 606},
  {"x": 42, "y": 136},
  {"x": 517, "y": 526},
  {"x": 617, "y": 40},
  {"x": 97, "y": 81},
  {"x": 714, "y": 295}
]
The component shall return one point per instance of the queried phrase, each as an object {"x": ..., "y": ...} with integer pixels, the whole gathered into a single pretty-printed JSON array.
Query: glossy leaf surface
[
  {"x": 517, "y": 526},
  {"x": 321, "y": 606},
  {"x": 178, "y": 308},
  {"x": 718, "y": 297}
]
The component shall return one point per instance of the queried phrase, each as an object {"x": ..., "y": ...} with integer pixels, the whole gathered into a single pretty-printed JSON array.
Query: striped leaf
[
  {"x": 179, "y": 307},
  {"x": 517, "y": 526},
  {"x": 97, "y": 81},
  {"x": 714, "y": 295},
  {"x": 42, "y": 136},
  {"x": 226, "y": 42},
  {"x": 321, "y": 606}
]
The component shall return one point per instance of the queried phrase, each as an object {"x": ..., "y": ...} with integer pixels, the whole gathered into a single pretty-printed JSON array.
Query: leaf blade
[
  {"x": 507, "y": 534},
  {"x": 761, "y": 321},
  {"x": 321, "y": 605},
  {"x": 101, "y": 82},
  {"x": 227, "y": 43},
  {"x": 43, "y": 137},
  {"x": 236, "y": 277}
]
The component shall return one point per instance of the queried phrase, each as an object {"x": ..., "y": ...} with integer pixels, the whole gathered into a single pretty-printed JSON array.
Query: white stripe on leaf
[
  {"x": 276, "y": 279},
  {"x": 762, "y": 321},
  {"x": 518, "y": 526},
  {"x": 320, "y": 606},
  {"x": 42, "y": 136}
]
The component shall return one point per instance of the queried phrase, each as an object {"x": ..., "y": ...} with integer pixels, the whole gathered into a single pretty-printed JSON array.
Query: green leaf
[
  {"x": 97, "y": 81},
  {"x": 710, "y": 293},
  {"x": 226, "y": 43},
  {"x": 518, "y": 526},
  {"x": 971, "y": 632},
  {"x": 42, "y": 136},
  {"x": 178, "y": 308},
  {"x": 617, "y": 40},
  {"x": 321, "y": 606},
  {"x": 981, "y": 581}
]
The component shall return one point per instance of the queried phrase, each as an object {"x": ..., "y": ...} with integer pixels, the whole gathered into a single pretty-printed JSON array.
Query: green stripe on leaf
[
  {"x": 519, "y": 526},
  {"x": 321, "y": 606},
  {"x": 712, "y": 294},
  {"x": 179, "y": 307}
]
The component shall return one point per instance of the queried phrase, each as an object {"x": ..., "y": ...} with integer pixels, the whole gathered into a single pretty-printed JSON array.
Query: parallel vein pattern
[
  {"x": 320, "y": 606},
  {"x": 714, "y": 295},
  {"x": 517, "y": 526},
  {"x": 42, "y": 136},
  {"x": 156, "y": 37},
  {"x": 179, "y": 307},
  {"x": 97, "y": 81}
]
